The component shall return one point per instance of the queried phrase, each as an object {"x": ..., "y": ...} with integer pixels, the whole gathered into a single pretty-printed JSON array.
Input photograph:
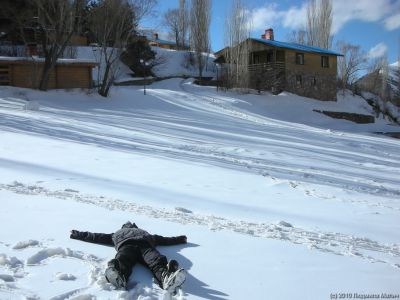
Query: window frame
[
  {"x": 325, "y": 63},
  {"x": 301, "y": 61}
]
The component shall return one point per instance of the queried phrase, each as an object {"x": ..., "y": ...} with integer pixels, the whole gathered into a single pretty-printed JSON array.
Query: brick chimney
[
  {"x": 155, "y": 36},
  {"x": 268, "y": 35}
]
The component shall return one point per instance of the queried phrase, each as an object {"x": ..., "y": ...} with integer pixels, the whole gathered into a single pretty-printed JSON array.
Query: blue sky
[{"x": 372, "y": 24}]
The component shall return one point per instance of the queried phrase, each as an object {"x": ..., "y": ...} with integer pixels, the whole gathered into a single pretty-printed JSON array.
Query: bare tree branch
[
  {"x": 111, "y": 22},
  {"x": 319, "y": 23},
  {"x": 200, "y": 15}
]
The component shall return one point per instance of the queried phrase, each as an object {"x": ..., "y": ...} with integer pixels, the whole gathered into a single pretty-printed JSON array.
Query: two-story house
[{"x": 304, "y": 70}]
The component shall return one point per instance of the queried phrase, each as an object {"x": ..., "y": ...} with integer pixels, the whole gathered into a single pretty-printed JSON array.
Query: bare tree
[
  {"x": 183, "y": 24},
  {"x": 200, "y": 14},
  {"x": 396, "y": 77},
  {"x": 57, "y": 21},
  {"x": 21, "y": 14},
  {"x": 237, "y": 32},
  {"x": 324, "y": 37},
  {"x": 298, "y": 36},
  {"x": 319, "y": 23},
  {"x": 384, "y": 72},
  {"x": 349, "y": 66},
  {"x": 312, "y": 22},
  {"x": 173, "y": 23},
  {"x": 142, "y": 8},
  {"x": 111, "y": 22}
]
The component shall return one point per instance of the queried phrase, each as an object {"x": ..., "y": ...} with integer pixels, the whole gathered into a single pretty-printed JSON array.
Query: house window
[
  {"x": 256, "y": 58},
  {"x": 299, "y": 58},
  {"x": 325, "y": 61},
  {"x": 299, "y": 81}
]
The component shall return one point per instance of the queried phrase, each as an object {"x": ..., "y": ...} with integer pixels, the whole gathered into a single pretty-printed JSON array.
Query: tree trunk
[{"x": 44, "y": 79}]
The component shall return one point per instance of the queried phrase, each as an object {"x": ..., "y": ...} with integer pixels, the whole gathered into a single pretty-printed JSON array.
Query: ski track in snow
[
  {"x": 359, "y": 183},
  {"x": 360, "y": 170},
  {"x": 328, "y": 242}
]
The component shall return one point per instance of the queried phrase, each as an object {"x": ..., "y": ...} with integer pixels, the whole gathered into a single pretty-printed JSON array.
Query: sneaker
[
  {"x": 114, "y": 275},
  {"x": 173, "y": 280}
]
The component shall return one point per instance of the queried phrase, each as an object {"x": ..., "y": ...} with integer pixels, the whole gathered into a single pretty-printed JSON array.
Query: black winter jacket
[{"x": 129, "y": 232}]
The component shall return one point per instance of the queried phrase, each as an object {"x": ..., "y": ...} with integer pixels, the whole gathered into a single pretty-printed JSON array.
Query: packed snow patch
[
  {"x": 64, "y": 276},
  {"x": 50, "y": 252},
  {"x": 11, "y": 262},
  {"x": 230, "y": 171},
  {"x": 7, "y": 278},
  {"x": 26, "y": 244}
]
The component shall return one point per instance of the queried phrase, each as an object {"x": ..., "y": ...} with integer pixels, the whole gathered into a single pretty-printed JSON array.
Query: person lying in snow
[{"x": 137, "y": 245}]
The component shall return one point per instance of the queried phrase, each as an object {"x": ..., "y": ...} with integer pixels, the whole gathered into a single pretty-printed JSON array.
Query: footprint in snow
[
  {"x": 66, "y": 277},
  {"x": 25, "y": 244},
  {"x": 37, "y": 258},
  {"x": 7, "y": 278},
  {"x": 71, "y": 191},
  {"x": 183, "y": 210},
  {"x": 10, "y": 262}
]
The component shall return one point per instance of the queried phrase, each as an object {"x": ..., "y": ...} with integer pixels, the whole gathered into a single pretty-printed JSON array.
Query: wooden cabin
[
  {"x": 157, "y": 42},
  {"x": 300, "y": 69},
  {"x": 25, "y": 72}
]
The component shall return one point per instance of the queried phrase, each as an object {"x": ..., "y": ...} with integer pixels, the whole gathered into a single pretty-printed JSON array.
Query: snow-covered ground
[
  {"x": 277, "y": 201},
  {"x": 170, "y": 63},
  {"x": 181, "y": 63}
]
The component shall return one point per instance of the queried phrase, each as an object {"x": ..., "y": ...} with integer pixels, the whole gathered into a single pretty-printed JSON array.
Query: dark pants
[{"x": 131, "y": 253}]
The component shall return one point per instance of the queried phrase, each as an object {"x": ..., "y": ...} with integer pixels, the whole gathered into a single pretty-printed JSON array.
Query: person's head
[{"x": 129, "y": 225}]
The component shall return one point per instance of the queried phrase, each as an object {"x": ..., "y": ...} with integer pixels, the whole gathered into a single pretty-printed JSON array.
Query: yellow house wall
[{"x": 312, "y": 63}]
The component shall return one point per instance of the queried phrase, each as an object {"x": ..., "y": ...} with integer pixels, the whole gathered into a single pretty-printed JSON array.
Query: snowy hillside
[
  {"x": 277, "y": 201},
  {"x": 169, "y": 63},
  {"x": 181, "y": 63}
]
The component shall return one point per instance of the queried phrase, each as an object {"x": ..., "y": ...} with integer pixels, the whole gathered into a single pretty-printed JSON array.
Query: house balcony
[{"x": 267, "y": 67}]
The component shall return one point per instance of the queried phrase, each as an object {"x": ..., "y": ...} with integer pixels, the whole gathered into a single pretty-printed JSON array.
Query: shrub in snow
[{"x": 138, "y": 50}]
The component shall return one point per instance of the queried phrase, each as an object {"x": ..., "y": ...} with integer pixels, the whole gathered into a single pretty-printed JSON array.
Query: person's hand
[
  {"x": 183, "y": 239},
  {"x": 74, "y": 234}
]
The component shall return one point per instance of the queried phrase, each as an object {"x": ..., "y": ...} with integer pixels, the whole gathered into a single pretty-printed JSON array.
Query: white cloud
[
  {"x": 264, "y": 17},
  {"x": 392, "y": 22},
  {"x": 270, "y": 16},
  {"x": 377, "y": 51},
  {"x": 344, "y": 11},
  {"x": 295, "y": 17},
  {"x": 363, "y": 10}
]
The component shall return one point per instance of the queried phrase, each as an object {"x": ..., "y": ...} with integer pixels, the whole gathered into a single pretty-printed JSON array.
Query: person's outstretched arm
[
  {"x": 166, "y": 241},
  {"x": 91, "y": 237}
]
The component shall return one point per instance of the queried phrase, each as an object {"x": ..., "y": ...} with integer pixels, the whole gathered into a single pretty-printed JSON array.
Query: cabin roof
[
  {"x": 164, "y": 42},
  {"x": 298, "y": 47},
  {"x": 63, "y": 61}
]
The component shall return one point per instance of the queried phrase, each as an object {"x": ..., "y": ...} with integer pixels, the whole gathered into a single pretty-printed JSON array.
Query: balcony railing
[{"x": 271, "y": 66}]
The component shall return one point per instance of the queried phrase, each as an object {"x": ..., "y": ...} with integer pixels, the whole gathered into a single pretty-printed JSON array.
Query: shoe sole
[
  {"x": 177, "y": 281},
  {"x": 115, "y": 278}
]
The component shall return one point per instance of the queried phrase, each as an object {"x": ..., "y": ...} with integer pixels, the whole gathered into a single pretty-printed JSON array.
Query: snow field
[{"x": 285, "y": 201}]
